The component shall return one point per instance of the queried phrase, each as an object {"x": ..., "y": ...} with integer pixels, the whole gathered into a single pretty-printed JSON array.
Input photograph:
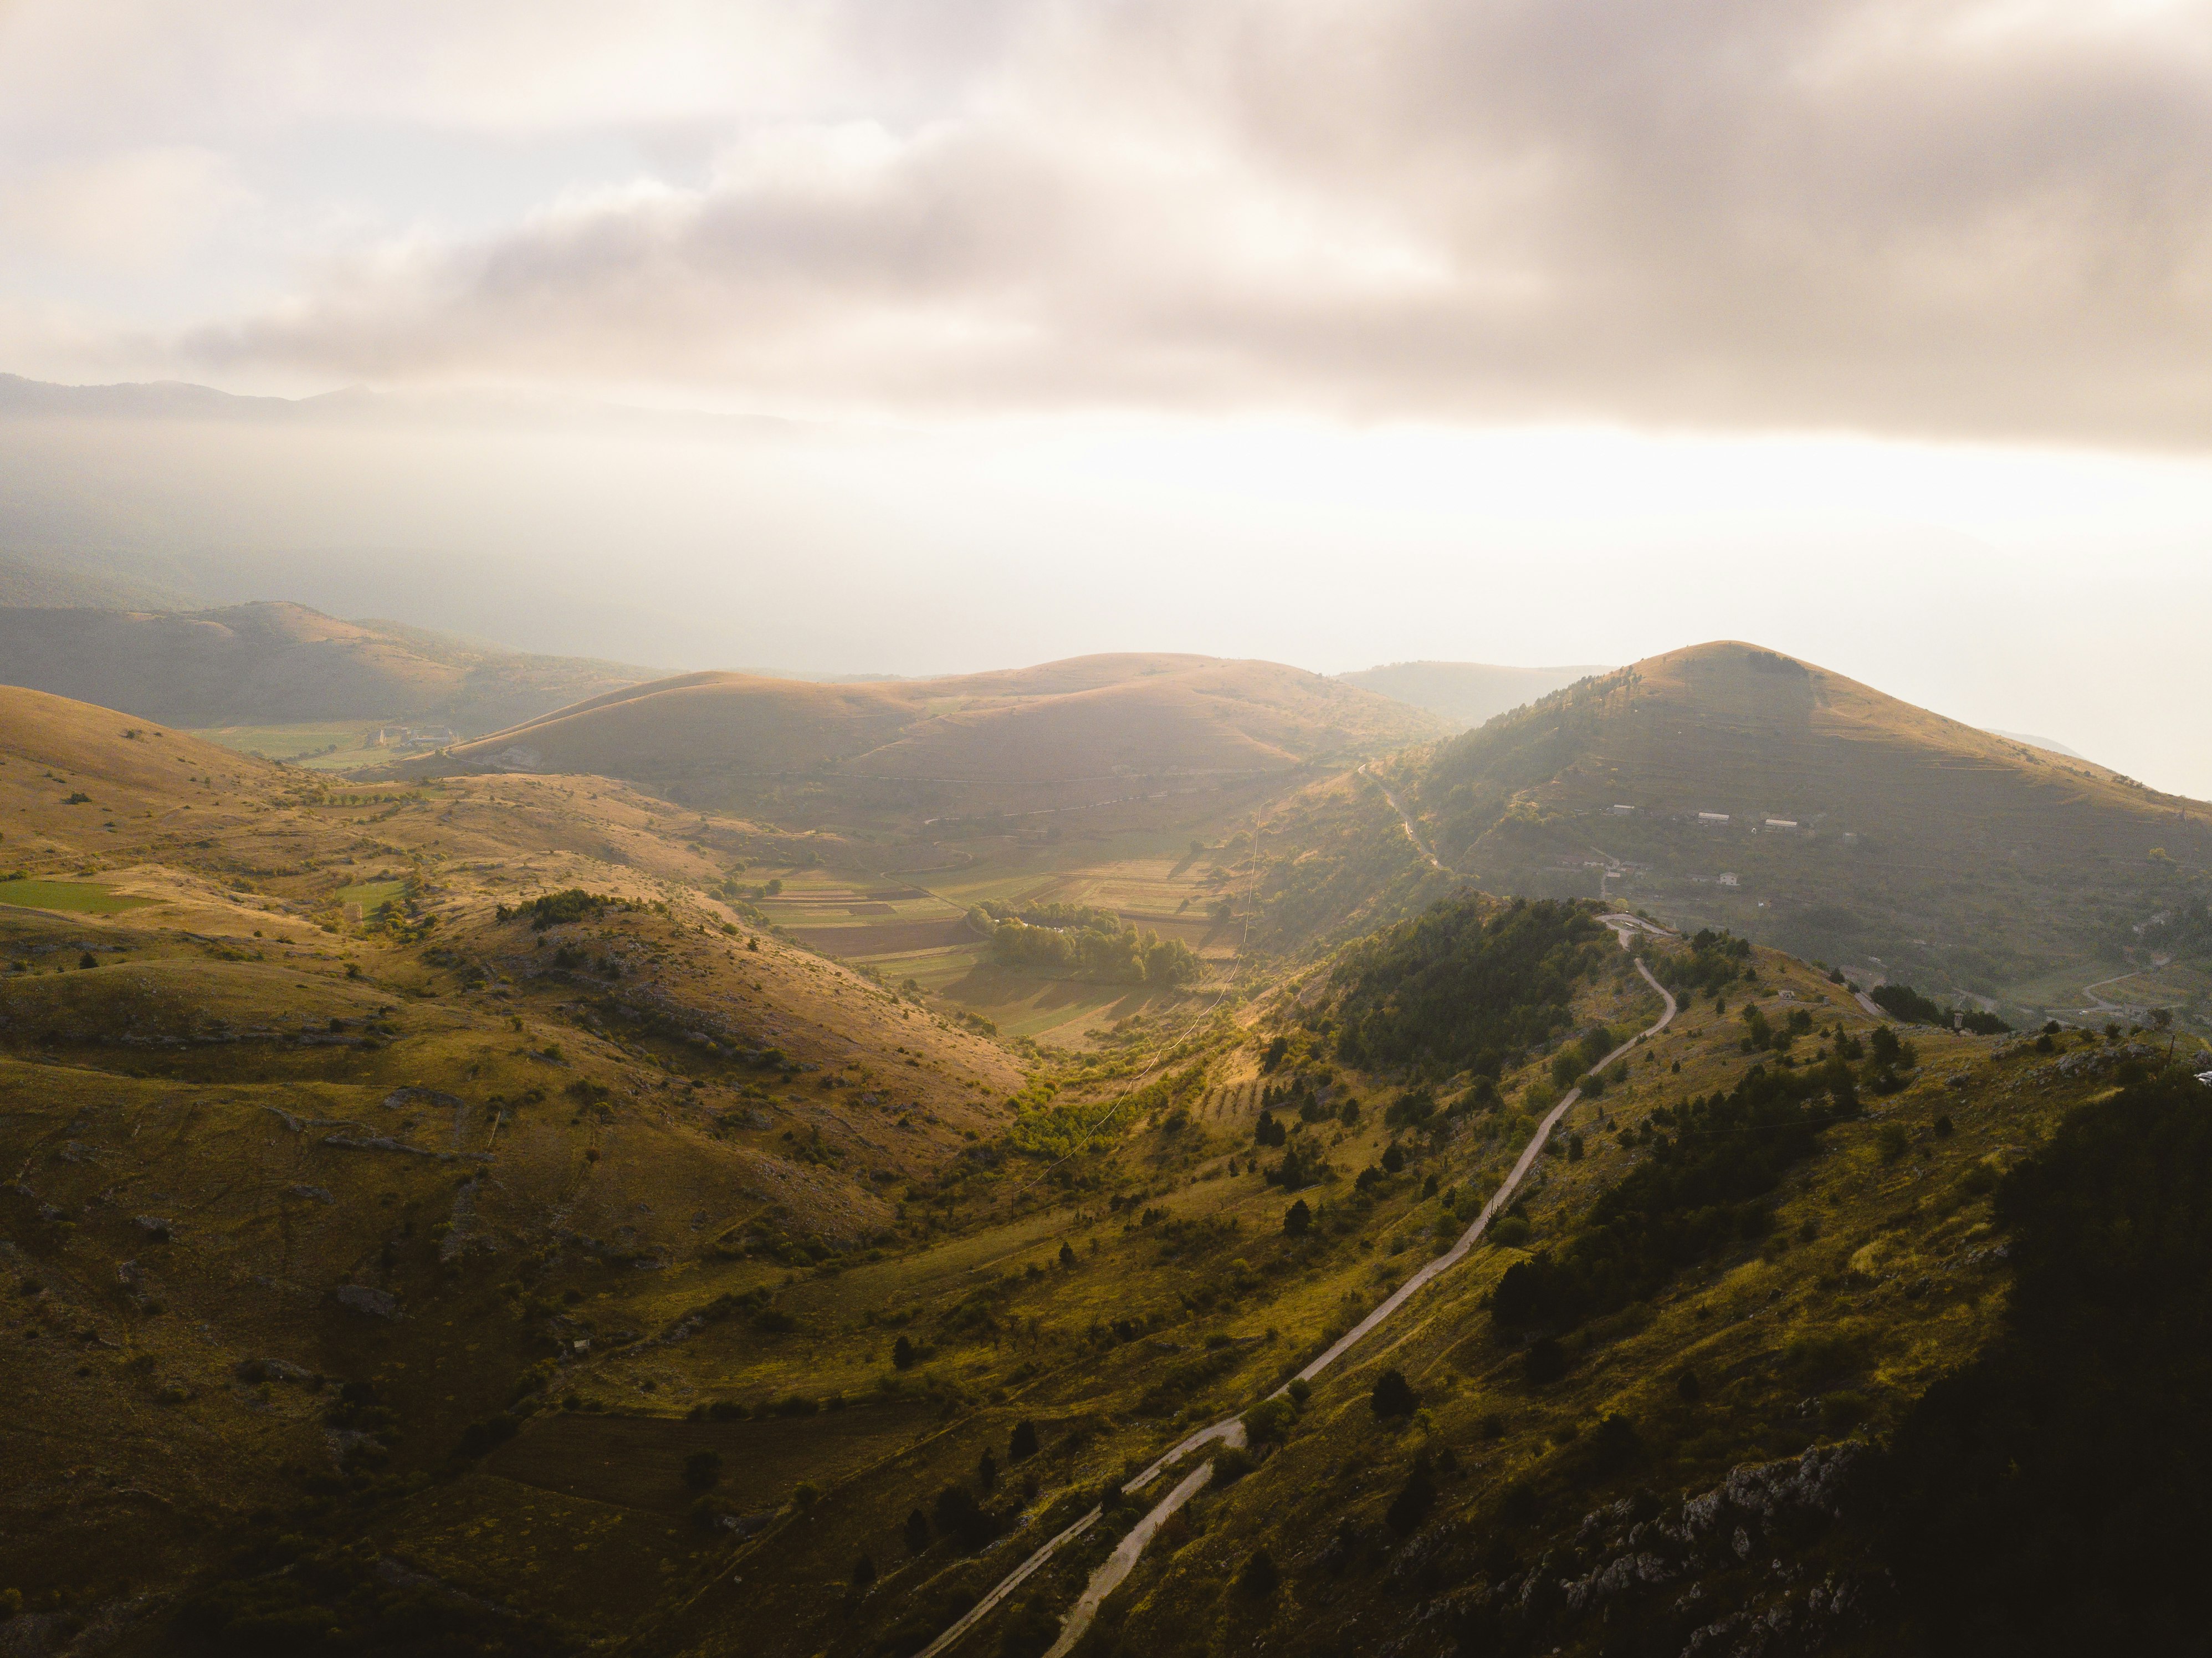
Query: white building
[
  {"x": 1781, "y": 822},
  {"x": 1728, "y": 880},
  {"x": 1712, "y": 818}
]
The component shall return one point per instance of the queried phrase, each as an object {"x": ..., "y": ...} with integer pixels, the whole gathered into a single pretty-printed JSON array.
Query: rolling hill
[
  {"x": 1060, "y": 735},
  {"x": 1729, "y": 784},
  {"x": 274, "y": 663},
  {"x": 1465, "y": 693},
  {"x": 418, "y": 1190}
]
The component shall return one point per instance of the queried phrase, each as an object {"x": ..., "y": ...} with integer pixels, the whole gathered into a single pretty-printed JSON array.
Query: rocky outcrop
[{"x": 1741, "y": 1571}]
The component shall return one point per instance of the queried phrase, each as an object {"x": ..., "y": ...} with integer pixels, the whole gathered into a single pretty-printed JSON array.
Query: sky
[{"x": 852, "y": 335}]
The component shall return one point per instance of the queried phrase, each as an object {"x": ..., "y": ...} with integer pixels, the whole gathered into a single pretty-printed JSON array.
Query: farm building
[
  {"x": 1712, "y": 818},
  {"x": 1781, "y": 822}
]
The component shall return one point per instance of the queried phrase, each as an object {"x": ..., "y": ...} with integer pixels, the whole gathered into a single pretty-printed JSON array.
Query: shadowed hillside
[
  {"x": 1062, "y": 735},
  {"x": 270, "y": 664},
  {"x": 1730, "y": 785}
]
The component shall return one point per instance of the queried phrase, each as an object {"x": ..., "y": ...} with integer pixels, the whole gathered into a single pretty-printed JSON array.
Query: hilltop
[
  {"x": 271, "y": 664},
  {"x": 1464, "y": 694},
  {"x": 1729, "y": 784},
  {"x": 1059, "y": 737}
]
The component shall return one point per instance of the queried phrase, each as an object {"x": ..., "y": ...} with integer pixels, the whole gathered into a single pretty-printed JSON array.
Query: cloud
[{"x": 1950, "y": 217}]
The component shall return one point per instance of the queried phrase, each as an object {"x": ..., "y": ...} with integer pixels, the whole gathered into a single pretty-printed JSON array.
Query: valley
[{"x": 428, "y": 1178}]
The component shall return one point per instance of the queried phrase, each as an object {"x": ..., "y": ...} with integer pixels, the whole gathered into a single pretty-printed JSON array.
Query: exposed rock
[
  {"x": 400, "y": 1098},
  {"x": 361, "y": 1298}
]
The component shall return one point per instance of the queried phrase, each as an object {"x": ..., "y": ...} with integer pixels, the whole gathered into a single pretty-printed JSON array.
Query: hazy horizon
[{"x": 859, "y": 340}]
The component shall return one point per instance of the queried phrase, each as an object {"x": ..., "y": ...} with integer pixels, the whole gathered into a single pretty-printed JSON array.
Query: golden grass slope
[
  {"x": 271, "y": 663},
  {"x": 1087, "y": 729}
]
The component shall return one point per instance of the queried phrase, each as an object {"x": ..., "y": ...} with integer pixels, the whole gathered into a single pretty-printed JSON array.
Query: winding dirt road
[
  {"x": 1405, "y": 818},
  {"x": 1229, "y": 1430}
]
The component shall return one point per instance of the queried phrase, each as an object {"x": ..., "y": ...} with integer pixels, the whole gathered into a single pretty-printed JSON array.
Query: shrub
[
  {"x": 1269, "y": 1421},
  {"x": 1298, "y": 1219},
  {"x": 1615, "y": 1445},
  {"x": 1023, "y": 1444},
  {"x": 1394, "y": 1396},
  {"x": 1414, "y": 1499},
  {"x": 487, "y": 1432},
  {"x": 864, "y": 1572},
  {"x": 916, "y": 1532},
  {"x": 903, "y": 1354},
  {"x": 1545, "y": 1361},
  {"x": 702, "y": 1469},
  {"x": 1259, "y": 1577},
  {"x": 1842, "y": 1411}
]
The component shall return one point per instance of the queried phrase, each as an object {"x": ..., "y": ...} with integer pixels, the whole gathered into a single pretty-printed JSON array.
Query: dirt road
[{"x": 1230, "y": 1430}]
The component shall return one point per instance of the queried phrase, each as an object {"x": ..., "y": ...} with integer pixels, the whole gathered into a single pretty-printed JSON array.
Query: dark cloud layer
[{"x": 1937, "y": 217}]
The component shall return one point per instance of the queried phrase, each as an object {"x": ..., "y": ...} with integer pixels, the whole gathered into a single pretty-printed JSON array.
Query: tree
[
  {"x": 1259, "y": 1577},
  {"x": 864, "y": 1572},
  {"x": 903, "y": 1354},
  {"x": 1545, "y": 1363},
  {"x": 1414, "y": 1499},
  {"x": 987, "y": 1473},
  {"x": 917, "y": 1532},
  {"x": 1024, "y": 1443},
  {"x": 1298, "y": 1219},
  {"x": 1394, "y": 1395},
  {"x": 1067, "y": 1254},
  {"x": 702, "y": 1469},
  {"x": 1394, "y": 1158}
]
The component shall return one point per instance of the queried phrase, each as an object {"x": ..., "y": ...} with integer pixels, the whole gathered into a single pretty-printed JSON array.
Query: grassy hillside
[
  {"x": 278, "y": 664},
  {"x": 1726, "y": 785},
  {"x": 1065, "y": 736},
  {"x": 421, "y": 1188},
  {"x": 1465, "y": 693}
]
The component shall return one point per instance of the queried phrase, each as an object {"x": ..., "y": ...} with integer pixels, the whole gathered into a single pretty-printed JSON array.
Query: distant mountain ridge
[
  {"x": 1078, "y": 731},
  {"x": 271, "y": 663},
  {"x": 1465, "y": 693}
]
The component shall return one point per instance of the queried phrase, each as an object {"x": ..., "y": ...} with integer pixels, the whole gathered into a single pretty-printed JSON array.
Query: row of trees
[{"x": 1112, "y": 954}]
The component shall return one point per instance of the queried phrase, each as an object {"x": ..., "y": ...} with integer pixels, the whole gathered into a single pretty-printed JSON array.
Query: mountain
[
  {"x": 31, "y": 584},
  {"x": 1729, "y": 784},
  {"x": 1464, "y": 694},
  {"x": 270, "y": 664},
  {"x": 1062, "y": 735},
  {"x": 2033, "y": 742}
]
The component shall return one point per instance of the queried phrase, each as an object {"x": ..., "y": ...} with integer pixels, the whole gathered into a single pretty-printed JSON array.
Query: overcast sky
[{"x": 1529, "y": 331}]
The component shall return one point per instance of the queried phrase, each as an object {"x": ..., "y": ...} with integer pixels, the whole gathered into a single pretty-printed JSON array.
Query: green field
[
  {"x": 369, "y": 893},
  {"x": 84, "y": 897},
  {"x": 316, "y": 745}
]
